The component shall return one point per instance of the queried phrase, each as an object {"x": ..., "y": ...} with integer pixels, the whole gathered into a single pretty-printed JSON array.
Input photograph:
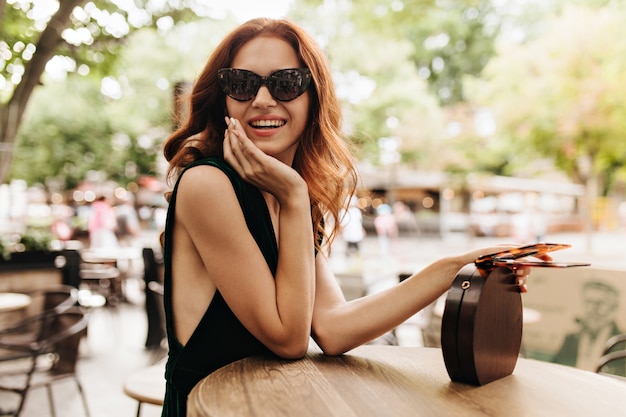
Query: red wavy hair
[{"x": 323, "y": 158}]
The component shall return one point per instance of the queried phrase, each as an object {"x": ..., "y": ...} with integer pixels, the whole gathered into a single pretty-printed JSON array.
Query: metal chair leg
[
  {"x": 81, "y": 392},
  {"x": 50, "y": 400}
]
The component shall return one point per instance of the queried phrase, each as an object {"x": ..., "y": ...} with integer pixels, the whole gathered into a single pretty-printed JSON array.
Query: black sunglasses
[{"x": 284, "y": 85}]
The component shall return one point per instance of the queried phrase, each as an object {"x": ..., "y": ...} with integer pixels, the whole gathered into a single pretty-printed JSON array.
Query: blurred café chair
[
  {"x": 50, "y": 358},
  {"x": 44, "y": 302},
  {"x": 613, "y": 360},
  {"x": 52, "y": 299},
  {"x": 158, "y": 344},
  {"x": 614, "y": 342},
  {"x": 153, "y": 289}
]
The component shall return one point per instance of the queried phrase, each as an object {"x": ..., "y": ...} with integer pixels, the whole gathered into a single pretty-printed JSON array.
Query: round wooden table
[{"x": 398, "y": 381}]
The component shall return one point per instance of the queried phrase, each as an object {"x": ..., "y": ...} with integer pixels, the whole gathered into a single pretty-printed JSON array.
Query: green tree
[
  {"x": 381, "y": 91},
  {"x": 114, "y": 125},
  {"x": 450, "y": 38},
  {"x": 53, "y": 141},
  {"x": 86, "y": 36},
  {"x": 562, "y": 94},
  {"x": 443, "y": 42}
]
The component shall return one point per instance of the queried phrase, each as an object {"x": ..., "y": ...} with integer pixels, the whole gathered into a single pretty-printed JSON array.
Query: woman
[{"x": 259, "y": 163}]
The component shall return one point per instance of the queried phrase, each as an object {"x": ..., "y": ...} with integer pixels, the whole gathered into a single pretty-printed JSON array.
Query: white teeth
[{"x": 267, "y": 123}]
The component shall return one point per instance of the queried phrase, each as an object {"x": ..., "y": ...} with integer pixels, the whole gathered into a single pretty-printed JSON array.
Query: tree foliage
[
  {"x": 450, "y": 38},
  {"x": 401, "y": 68},
  {"x": 81, "y": 36},
  {"x": 562, "y": 93},
  {"x": 415, "y": 53},
  {"x": 114, "y": 125}
]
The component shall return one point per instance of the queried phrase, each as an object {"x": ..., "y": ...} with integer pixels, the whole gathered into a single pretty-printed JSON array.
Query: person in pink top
[{"x": 102, "y": 224}]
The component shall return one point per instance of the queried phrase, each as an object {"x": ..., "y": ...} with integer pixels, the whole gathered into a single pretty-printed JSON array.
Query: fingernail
[{"x": 233, "y": 122}]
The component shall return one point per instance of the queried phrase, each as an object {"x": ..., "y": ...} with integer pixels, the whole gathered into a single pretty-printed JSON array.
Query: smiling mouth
[{"x": 267, "y": 124}]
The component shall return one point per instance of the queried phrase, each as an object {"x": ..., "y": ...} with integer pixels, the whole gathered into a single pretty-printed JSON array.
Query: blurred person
[
  {"x": 61, "y": 225},
  {"x": 102, "y": 224},
  {"x": 386, "y": 228},
  {"x": 62, "y": 229},
  {"x": 352, "y": 230},
  {"x": 405, "y": 217},
  {"x": 245, "y": 273},
  {"x": 159, "y": 215},
  {"x": 127, "y": 221}
]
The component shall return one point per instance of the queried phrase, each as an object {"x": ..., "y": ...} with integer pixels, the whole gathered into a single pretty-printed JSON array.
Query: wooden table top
[
  {"x": 10, "y": 301},
  {"x": 398, "y": 381}
]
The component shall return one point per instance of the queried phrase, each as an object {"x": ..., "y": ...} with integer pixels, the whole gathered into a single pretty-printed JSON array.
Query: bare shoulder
[
  {"x": 204, "y": 189},
  {"x": 204, "y": 182},
  {"x": 203, "y": 176}
]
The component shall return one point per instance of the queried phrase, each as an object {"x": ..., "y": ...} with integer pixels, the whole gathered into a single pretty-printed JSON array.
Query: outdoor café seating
[
  {"x": 49, "y": 358},
  {"x": 52, "y": 299}
]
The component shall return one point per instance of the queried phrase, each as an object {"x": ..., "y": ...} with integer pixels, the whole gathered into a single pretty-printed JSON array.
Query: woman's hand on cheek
[
  {"x": 234, "y": 146},
  {"x": 242, "y": 154},
  {"x": 254, "y": 166}
]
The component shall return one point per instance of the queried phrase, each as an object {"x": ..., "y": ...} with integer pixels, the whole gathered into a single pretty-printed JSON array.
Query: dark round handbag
[{"x": 481, "y": 330}]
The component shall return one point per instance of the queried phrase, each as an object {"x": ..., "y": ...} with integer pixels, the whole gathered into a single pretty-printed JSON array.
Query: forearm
[
  {"x": 356, "y": 322},
  {"x": 295, "y": 274}
]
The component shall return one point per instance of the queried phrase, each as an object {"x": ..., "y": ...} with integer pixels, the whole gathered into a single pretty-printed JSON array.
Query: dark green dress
[{"x": 220, "y": 338}]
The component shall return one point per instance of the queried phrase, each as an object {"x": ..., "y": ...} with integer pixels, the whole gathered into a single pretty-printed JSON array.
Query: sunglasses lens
[
  {"x": 284, "y": 85},
  {"x": 239, "y": 84}
]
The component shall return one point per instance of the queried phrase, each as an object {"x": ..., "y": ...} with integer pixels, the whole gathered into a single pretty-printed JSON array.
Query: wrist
[
  {"x": 296, "y": 197},
  {"x": 454, "y": 264}
]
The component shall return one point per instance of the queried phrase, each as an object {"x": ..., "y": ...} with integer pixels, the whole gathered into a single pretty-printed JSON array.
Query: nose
[{"x": 263, "y": 98}]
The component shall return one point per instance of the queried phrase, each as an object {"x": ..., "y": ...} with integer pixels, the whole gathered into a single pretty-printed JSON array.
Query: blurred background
[
  {"x": 476, "y": 115},
  {"x": 473, "y": 122}
]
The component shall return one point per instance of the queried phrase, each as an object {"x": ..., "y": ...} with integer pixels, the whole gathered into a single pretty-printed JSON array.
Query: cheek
[
  {"x": 301, "y": 113},
  {"x": 233, "y": 109}
]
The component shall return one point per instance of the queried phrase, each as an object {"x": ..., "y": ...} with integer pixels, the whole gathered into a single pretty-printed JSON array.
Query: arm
[
  {"x": 214, "y": 249},
  {"x": 286, "y": 194},
  {"x": 339, "y": 326}
]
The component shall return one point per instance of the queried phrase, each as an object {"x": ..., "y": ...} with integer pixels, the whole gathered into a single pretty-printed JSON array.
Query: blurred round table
[
  {"x": 11, "y": 301},
  {"x": 12, "y": 307},
  {"x": 110, "y": 267}
]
